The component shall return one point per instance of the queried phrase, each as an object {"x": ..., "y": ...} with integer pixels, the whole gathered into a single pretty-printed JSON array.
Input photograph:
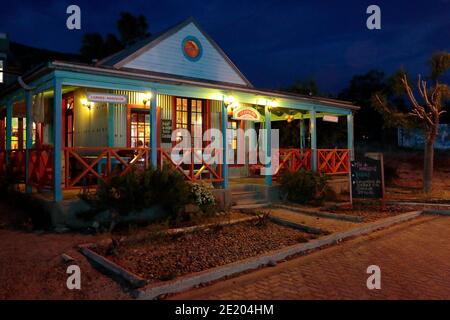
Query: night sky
[{"x": 272, "y": 42}]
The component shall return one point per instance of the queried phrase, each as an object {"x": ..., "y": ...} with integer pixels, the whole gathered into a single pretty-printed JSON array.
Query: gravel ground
[
  {"x": 31, "y": 266},
  {"x": 372, "y": 213},
  {"x": 166, "y": 258}
]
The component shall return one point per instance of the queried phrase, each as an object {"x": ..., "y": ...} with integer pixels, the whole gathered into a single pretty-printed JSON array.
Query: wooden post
[
  {"x": 224, "y": 145},
  {"x": 153, "y": 130},
  {"x": 313, "y": 129},
  {"x": 57, "y": 139},
  {"x": 268, "y": 136},
  {"x": 350, "y": 138},
  {"x": 28, "y": 140},
  {"x": 9, "y": 114}
]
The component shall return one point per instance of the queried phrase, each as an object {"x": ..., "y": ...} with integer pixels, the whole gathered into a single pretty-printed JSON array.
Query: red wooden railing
[
  {"x": 292, "y": 160},
  {"x": 84, "y": 166},
  {"x": 333, "y": 161},
  {"x": 198, "y": 169},
  {"x": 16, "y": 159},
  {"x": 40, "y": 167}
]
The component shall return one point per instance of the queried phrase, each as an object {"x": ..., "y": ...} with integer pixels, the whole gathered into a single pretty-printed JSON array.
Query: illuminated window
[
  {"x": 140, "y": 129},
  {"x": 189, "y": 116},
  {"x": 1, "y": 71},
  {"x": 19, "y": 133}
]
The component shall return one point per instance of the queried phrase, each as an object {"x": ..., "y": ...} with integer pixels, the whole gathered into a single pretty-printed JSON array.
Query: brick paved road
[{"x": 414, "y": 258}]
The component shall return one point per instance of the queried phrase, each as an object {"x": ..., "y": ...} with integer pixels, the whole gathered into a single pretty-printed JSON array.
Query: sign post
[{"x": 367, "y": 178}]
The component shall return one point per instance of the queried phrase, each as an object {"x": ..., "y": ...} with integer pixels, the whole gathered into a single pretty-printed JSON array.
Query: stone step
[
  {"x": 246, "y": 195},
  {"x": 251, "y": 205}
]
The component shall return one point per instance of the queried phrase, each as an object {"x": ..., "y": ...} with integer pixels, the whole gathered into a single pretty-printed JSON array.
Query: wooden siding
[{"x": 167, "y": 57}]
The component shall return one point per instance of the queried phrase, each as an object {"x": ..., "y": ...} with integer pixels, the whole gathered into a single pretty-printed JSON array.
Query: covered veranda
[{"x": 35, "y": 162}]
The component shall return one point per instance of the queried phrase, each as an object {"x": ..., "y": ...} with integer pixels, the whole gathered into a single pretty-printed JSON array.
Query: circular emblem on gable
[{"x": 192, "y": 48}]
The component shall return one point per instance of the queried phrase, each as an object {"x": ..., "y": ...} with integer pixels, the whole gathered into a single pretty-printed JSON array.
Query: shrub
[
  {"x": 304, "y": 186},
  {"x": 137, "y": 190},
  {"x": 203, "y": 197}
]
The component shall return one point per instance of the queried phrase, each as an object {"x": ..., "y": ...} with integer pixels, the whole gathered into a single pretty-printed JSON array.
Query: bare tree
[{"x": 427, "y": 113}]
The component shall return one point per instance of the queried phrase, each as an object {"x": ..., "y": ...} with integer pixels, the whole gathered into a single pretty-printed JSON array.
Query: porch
[{"x": 88, "y": 140}]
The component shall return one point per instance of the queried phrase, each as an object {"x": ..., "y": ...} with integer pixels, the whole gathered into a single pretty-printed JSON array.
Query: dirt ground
[
  {"x": 31, "y": 266},
  {"x": 407, "y": 184}
]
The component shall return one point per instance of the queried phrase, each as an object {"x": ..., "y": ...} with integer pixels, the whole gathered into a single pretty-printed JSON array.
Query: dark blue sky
[{"x": 272, "y": 42}]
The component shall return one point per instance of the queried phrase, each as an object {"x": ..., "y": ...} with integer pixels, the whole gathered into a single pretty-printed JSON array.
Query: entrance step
[
  {"x": 251, "y": 205},
  {"x": 240, "y": 196}
]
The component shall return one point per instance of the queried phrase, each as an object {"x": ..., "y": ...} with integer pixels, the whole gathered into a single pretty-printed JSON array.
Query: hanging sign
[
  {"x": 329, "y": 118},
  {"x": 107, "y": 98},
  {"x": 246, "y": 113}
]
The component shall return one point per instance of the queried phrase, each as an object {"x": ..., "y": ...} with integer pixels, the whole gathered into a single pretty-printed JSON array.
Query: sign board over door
[
  {"x": 107, "y": 98},
  {"x": 246, "y": 113}
]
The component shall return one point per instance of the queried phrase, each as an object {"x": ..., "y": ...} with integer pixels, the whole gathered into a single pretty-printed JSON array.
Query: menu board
[
  {"x": 166, "y": 131},
  {"x": 367, "y": 178}
]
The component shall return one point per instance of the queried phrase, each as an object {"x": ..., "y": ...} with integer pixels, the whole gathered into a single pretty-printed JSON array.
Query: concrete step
[
  {"x": 247, "y": 195},
  {"x": 251, "y": 205}
]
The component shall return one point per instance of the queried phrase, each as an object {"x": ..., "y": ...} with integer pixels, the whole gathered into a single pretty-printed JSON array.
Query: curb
[
  {"x": 297, "y": 226},
  {"x": 407, "y": 203},
  {"x": 437, "y": 212},
  {"x": 206, "y": 276},
  {"x": 322, "y": 214},
  {"x": 112, "y": 268}
]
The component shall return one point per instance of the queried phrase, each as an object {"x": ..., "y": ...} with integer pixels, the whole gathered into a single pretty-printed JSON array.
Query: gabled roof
[{"x": 122, "y": 58}]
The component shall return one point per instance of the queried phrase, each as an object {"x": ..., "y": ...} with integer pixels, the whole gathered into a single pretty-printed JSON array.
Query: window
[
  {"x": 1, "y": 71},
  {"x": 140, "y": 129},
  {"x": 189, "y": 116},
  {"x": 19, "y": 133}
]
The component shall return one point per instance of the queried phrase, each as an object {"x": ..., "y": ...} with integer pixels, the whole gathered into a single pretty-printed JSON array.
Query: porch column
[
  {"x": 313, "y": 129},
  {"x": 350, "y": 139},
  {"x": 268, "y": 135},
  {"x": 224, "y": 145},
  {"x": 28, "y": 139},
  {"x": 111, "y": 129},
  {"x": 57, "y": 139},
  {"x": 302, "y": 133},
  {"x": 153, "y": 130},
  {"x": 9, "y": 113}
]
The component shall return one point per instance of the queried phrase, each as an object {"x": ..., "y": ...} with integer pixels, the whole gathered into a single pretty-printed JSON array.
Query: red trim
[
  {"x": 158, "y": 126},
  {"x": 129, "y": 126},
  {"x": 20, "y": 133}
]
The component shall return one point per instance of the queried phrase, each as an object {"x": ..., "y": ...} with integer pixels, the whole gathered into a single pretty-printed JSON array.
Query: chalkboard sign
[
  {"x": 367, "y": 178},
  {"x": 166, "y": 131}
]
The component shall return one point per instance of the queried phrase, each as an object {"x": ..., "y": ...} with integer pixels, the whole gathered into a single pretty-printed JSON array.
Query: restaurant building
[{"x": 68, "y": 125}]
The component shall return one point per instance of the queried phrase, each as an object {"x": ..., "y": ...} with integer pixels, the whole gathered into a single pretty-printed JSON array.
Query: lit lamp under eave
[
  {"x": 146, "y": 98},
  {"x": 85, "y": 103}
]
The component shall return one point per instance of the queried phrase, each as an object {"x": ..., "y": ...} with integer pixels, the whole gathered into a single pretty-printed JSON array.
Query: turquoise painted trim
[
  {"x": 313, "y": 124},
  {"x": 40, "y": 84},
  {"x": 268, "y": 137},
  {"x": 350, "y": 137},
  {"x": 302, "y": 134},
  {"x": 153, "y": 130},
  {"x": 9, "y": 110},
  {"x": 111, "y": 129},
  {"x": 57, "y": 143},
  {"x": 199, "y": 45},
  {"x": 224, "y": 145},
  {"x": 28, "y": 139},
  {"x": 121, "y": 83}
]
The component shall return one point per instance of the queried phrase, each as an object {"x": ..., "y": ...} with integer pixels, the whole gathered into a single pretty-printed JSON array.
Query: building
[{"x": 68, "y": 125}]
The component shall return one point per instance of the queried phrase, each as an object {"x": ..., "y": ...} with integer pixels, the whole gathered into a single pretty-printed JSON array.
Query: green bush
[
  {"x": 203, "y": 197},
  {"x": 137, "y": 190},
  {"x": 304, "y": 186}
]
